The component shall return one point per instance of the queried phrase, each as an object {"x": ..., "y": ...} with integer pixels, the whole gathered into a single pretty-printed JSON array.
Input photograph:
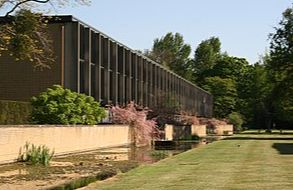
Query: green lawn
[{"x": 248, "y": 161}]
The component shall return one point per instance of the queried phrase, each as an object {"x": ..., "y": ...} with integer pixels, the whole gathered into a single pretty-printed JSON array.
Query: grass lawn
[{"x": 246, "y": 161}]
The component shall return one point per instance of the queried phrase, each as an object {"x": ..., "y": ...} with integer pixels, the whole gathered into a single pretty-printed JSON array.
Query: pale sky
[{"x": 242, "y": 25}]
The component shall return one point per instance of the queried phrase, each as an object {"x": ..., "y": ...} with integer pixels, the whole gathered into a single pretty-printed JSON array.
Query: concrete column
[
  {"x": 128, "y": 87},
  {"x": 169, "y": 130},
  {"x": 198, "y": 130},
  {"x": 87, "y": 61},
  {"x": 113, "y": 70},
  {"x": 98, "y": 68}
]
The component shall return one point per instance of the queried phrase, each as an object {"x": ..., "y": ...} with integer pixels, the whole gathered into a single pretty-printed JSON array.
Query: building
[{"x": 90, "y": 62}]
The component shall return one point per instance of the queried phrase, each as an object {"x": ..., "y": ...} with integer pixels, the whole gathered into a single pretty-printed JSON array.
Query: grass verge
[{"x": 246, "y": 161}]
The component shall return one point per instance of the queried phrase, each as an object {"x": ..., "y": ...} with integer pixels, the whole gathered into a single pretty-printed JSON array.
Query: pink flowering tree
[{"x": 143, "y": 130}]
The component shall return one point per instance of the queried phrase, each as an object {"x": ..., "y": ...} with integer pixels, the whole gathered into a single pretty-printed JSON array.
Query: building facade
[{"x": 88, "y": 61}]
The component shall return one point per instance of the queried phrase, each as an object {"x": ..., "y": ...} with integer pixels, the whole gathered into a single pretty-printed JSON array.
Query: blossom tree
[{"x": 143, "y": 130}]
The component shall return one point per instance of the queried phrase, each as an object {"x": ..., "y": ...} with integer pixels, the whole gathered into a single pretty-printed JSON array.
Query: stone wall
[{"x": 64, "y": 139}]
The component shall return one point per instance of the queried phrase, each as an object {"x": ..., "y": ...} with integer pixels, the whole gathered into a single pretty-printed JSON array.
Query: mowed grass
[{"x": 246, "y": 161}]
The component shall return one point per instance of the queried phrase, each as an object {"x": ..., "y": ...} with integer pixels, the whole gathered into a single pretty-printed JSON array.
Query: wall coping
[{"x": 59, "y": 126}]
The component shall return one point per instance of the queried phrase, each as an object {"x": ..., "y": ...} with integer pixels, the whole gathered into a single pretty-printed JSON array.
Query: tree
[
  {"x": 172, "y": 52},
  {"x": 257, "y": 95},
  {"x": 24, "y": 36},
  {"x": 229, "y": 67},
  {"x": 224, "y": 92},
  {"x": 143, "y": 130},
  {"x": 205, "y": 57},
  {"x": 62, "y": 106},
  {"x": 236, "y": 120},
  {"x": 12, "y": 6},
  {"x": 281, "y": 67}
]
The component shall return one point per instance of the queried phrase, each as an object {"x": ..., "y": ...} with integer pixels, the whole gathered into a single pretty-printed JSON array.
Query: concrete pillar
[
  {"x": 199, "y": 130},
  {"x": 169, "y": 130}
]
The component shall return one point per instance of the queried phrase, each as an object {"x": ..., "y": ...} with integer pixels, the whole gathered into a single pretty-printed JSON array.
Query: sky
[{"x": 243, "y": 26}]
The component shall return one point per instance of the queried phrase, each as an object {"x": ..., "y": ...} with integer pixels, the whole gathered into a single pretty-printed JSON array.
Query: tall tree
[
  {"x": 205, "y": 57},
  {"x": 172, "y": 52},
  {"x": 257, "y": 93},
  {"x": 281, "y": 66}
]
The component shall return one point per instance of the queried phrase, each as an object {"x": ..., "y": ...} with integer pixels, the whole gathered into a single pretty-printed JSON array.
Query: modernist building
[{"x": 90, "y": 62}]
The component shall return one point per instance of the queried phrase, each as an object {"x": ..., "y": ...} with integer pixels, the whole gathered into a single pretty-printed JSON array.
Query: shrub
[
  {"x": 62, "y": 106},
  {"x": 35, "y": 154},
  {"x": 236, "y": 119},
  {"x": 144, "y": 130}
]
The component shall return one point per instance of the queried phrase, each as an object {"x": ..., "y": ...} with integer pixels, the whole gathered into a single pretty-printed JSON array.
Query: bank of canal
[{"x": 77, "y": 170}]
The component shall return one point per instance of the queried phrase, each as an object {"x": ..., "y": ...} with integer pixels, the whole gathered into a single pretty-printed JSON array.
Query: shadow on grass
[
  {"x": 263, "y": 133},
  {"x": 259, "y": 138},
  {"x": 284, "y": 148}
]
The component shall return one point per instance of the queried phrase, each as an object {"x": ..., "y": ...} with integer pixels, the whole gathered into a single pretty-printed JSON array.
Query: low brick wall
[{"x": 64, "y": 139}]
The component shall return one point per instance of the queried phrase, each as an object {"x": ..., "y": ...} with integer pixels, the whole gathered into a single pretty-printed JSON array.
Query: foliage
[
  {"x": 188, "y": 119},
  {"x": 14, "y": 5},
  {"x": 172, "y": 52},
  {"x": 35, "y": 154},
  {"x": 280, "y": 65},
  {"x": 236, "y": 120},
  {"x": 24, "y": 36},
  {"x": 62, "y": 106},
  {"x": 257, "y": 95},
  {"x": 86, "y": 180},
  {"x": 224, "y": 92},
  {"x": 144, "y": 130},
  {"x": 230, "y": 67},
  {"x": 205, "y": 57},
  {"x": 159, "y": 154},
  {"x": 211, "y": 123},
  {"x": 167, "y": 106},
  {"x": 13, "y": 112}
]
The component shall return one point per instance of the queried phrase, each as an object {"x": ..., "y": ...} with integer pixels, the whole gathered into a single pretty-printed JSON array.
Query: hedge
[{"x": 13, "y": 112}]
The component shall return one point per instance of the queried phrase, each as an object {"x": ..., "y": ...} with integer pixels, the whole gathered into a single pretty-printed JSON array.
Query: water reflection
[{"x": 151, "y": 154}]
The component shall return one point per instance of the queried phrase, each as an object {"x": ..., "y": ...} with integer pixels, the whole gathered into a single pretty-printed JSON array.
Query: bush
[
  {"x": 13, "y": 112},
  {"x": 62, "y": 106},
  {"x": 235, "y": 119},
  {"x": 35, "y": 154}
]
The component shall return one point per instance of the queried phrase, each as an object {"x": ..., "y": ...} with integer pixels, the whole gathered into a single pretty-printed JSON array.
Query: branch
[{"x": 23, "y": 2}]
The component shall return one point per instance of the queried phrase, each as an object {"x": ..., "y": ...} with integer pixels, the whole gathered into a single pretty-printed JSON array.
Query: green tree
[
  {"x": 172, "y": 52},
  {"x": 62, "y": 106},
  {"x": 205, "y": 57},
  {"x": 236, "y": 120},
  {"x": 281, "y": 67},
  {"x": 257, "y": 95},
  {"x": 224, "y": 92},
  {"x": 230, "y": 67}
]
